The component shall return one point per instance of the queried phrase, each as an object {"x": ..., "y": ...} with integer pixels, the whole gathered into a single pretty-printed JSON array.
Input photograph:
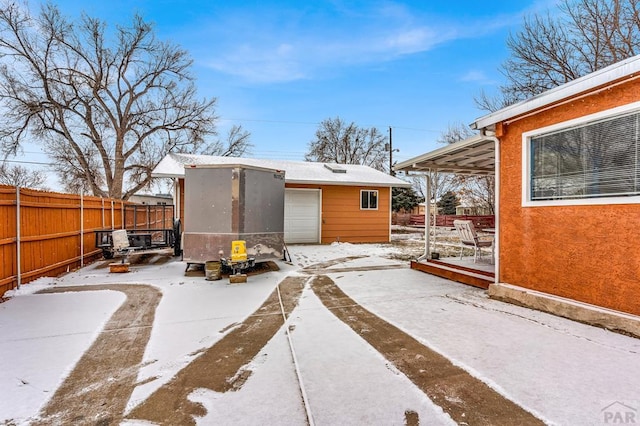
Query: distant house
[
  {"x": 567, "y": 167},
  {"x": 469, "y": 207},
  {"x": 421, "y": 209},
  {"x": 323, "y": 202},
  {"x": 164, "y": 199},
  {"x": 471, "y": 210}
]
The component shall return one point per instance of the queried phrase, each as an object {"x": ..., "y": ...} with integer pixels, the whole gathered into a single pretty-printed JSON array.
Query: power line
[
  {"x": 284, "y": 155},
  {"x": 318, "y": 123},
  {"x": 297, "y": 155},
  {"x": 28, "y": 162},
  {"x": 269, "y": 121},
  {"x": 417, "y": 130}
]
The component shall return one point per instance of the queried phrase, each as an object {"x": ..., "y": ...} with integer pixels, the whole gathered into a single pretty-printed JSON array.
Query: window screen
[{"x": 598, "y": 159}]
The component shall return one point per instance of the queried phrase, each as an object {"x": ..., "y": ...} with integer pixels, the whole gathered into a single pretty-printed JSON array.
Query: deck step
[
  {"x": 462, "y": 275},
  {"x": 462, "y": 268}
]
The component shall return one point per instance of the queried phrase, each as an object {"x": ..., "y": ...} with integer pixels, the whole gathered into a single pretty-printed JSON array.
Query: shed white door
[{"x": 302, "y": 215}]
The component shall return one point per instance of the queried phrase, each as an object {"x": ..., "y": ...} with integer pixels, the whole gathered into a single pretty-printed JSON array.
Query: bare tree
[
  {"x": 456, "y": 132},
  {"x": 236, "y": 144},
  {"x": 339, "y": 142},
  {"x": 580, "y": 37},
  {"x": 441, "y": 183},
  {"x": 107, "y": 111},
  {"x": 479, "y": 190},
  {"x": 21, "y": 176}
]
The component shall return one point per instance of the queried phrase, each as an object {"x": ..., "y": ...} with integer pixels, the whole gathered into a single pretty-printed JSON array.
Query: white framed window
[
  {"x": 368, "y": 199},
  {"x": 591, "y": 160}
]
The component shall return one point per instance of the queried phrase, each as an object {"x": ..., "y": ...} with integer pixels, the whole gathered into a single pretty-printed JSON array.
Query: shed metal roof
[
  {"x": 301, "y": 172},
  {"x": 475, "y": 155}
]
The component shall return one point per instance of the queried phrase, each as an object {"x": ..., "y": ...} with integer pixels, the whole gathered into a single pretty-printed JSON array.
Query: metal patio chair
[{"x": 469, "y": 238}]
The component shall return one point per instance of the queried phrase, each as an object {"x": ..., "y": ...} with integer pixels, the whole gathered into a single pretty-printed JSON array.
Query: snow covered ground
[{"x": 563, "y": 372}]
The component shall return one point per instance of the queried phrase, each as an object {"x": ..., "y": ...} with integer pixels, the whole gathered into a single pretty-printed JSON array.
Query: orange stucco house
[
  {"x": 323, "y": 202},
  {"x": 567, "y": 167}
]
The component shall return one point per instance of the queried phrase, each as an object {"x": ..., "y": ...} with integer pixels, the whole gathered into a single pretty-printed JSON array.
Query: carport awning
[{"x": 473, "y": 156}]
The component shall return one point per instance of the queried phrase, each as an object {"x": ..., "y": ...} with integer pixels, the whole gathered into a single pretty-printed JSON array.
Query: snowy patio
[
  {"x": 452, "y": 263},
  {"x": 556, "y": 370}
]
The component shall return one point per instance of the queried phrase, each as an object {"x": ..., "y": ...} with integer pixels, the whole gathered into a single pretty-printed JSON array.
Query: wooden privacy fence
[
  {"x": 47, "y": 233},
  {"x": 487, "y": 221}
]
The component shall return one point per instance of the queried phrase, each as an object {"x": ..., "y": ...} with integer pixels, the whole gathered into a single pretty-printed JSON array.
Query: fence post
[
  {"x": 122, "y": 214},
  {"x": 81, "y": 228},
  {"x": 113, "y": 217},
  {"x": 18, "y": 250},
  {"x": 135, "y": 217},
  {"x": 102, "y": 210}
]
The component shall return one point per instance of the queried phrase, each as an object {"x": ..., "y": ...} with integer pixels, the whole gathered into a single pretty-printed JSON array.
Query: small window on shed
[{"x": 368, "y": 200}]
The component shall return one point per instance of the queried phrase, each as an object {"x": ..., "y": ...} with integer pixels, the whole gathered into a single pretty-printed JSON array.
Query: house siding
[
  {"x": 342, "y": 218},
  {"x": 587, "y": 253}
]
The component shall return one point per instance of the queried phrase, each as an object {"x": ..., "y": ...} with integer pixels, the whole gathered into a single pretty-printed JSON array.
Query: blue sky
[{"x": 279, "y": 68}]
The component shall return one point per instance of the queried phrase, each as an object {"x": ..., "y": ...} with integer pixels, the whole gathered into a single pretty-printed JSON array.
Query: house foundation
[{"x": 582, "y": 312}]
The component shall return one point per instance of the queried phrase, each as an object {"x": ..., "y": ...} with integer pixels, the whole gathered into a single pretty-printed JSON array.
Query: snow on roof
[
  {"x": 303, "y": 172},
  {"x": 627, "y": 68}
]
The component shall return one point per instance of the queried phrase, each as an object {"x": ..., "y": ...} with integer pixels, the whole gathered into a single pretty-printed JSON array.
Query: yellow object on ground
[{"x": 238, "y": 250}]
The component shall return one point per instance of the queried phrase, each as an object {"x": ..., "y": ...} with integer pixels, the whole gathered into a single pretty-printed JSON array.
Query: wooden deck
[{"x": 463, "y": 271}]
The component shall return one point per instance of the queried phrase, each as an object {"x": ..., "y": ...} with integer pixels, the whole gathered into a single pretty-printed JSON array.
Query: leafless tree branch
[
  {"x": 342, "y": 143},
  {"x": 551, "y": 49},
  {"x": 110, "y": 109},
  {"x": 16, "y": 175}
]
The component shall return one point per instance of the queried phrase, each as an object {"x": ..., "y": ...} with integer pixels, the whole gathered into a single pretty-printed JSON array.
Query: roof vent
[{"x": 336, "y": 168}]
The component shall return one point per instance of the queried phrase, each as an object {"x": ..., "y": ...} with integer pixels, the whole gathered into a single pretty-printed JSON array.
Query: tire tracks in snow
[
  {"x": 99, "y": 386},
  {"x": 465, "y": 398},
  {"x": 220, "y": 367}
]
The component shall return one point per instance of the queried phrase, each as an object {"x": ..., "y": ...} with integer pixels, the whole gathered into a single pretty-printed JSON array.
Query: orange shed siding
[
  {"x": 342, "y": 218},
  {"x": 586, "y": 253}
]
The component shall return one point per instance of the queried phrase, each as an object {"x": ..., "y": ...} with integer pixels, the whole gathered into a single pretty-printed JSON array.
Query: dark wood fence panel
[
  {"x": 56, "y": 231},
  {"x": 487, "y": 221},
  {"x": 416, "y": 219},
  {"x": 148, "y": 216}
]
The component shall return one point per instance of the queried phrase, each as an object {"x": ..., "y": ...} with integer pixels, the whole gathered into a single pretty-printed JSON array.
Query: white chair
[{"x": 469, "y": 238}]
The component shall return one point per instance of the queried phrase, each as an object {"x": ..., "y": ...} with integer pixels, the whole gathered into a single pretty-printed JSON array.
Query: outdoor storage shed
[
  {"x": 323, "y": 202},
  {"x": 225, "y": 203}
]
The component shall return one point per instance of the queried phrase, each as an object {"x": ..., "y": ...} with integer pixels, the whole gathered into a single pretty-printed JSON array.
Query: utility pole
[
  {"x": 390, "y": 152},
  {"x": 389, "y": 147}
]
